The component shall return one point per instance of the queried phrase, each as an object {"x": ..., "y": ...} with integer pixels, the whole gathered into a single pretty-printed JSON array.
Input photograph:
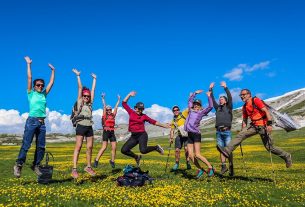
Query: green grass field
[{"x": 254, "y": 186}]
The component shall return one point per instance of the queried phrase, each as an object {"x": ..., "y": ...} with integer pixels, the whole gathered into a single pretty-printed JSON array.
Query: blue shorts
[{"x": 223, "y": 138}]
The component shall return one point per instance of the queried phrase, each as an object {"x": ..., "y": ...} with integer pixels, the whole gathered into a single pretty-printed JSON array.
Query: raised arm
[
  {"x": 210, "y": 107},
  {"x": 51, "y": 82},
  {"x": 230, "y": 101},
  {"x": 116, "y": 106},
  {"x": 93, "y": 86},
  {"x": 191, "y": 98},
  {"x": 104, "y": 104},
  {"x": 132, "y": 93},
  {"x": 29, "y": 72},
  {"x": 79, "y": 83},
  {"x": 215, "y": 104}
]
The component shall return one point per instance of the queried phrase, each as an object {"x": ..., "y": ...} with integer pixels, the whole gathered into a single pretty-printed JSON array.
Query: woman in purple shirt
[{"x": 196, "y": 112}]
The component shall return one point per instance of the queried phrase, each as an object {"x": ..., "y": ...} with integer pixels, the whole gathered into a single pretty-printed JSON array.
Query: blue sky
[{"x": 162, "y": 49}]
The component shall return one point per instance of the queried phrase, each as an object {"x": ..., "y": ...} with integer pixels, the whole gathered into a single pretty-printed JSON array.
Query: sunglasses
[
  {"x": 86, "y": 96},
  {"x": 39, "y": 85},
  {"x": 176, "y": 110},
  {"x": 108, "y": 109},
  {"x": 243, "y": 94}
]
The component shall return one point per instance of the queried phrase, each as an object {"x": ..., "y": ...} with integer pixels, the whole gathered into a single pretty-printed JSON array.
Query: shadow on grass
[
  {"x": 189, "y": 176},
  {"x": 116, "y": 171}
]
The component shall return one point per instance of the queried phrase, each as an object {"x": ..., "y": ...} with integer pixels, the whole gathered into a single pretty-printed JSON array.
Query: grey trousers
[{"x": 267, "y": 141}]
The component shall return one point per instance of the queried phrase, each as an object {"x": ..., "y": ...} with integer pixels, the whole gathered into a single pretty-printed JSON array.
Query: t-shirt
[
  {"x": 38, "y": 103},
  {"x": 136, "y": 121},
  {"x": 257, "y": 116},
  {"x": 179, "y": 120},
  {"x": 86, "y": 112}
]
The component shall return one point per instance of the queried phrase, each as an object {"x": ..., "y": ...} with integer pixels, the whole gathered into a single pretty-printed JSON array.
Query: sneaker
[
  {"x": 95, "y": 164},
  {"x": 224, "y": 169},
  {"x": 17, "y": 170},
  {"x": 160, "y": 149},
  {"x": 112, "y": 164},
  {"x": 222, "y": 151},
  {"x": 74, "y": 173},
  {"x": 90, "y": 171},
  {"x": 138, "y": 159},
  {"x": 176, "y": 166},
  {"x": 211, "y": 172},
  {"x": 36, "y": 169},
  {"x": 188, "y": 166},
  {"x": 200, "y": 172},
  {"x": 288, "y": 161}
]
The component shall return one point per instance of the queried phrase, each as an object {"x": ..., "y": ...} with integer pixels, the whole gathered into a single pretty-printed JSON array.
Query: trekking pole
[
  {"x": 273, "y": 171},
  {"x": 242, "y": 156},
  {"x": 169, "y": 150}
]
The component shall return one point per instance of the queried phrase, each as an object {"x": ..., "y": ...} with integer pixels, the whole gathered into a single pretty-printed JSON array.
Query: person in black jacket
[{"x": 223, "y": 123}]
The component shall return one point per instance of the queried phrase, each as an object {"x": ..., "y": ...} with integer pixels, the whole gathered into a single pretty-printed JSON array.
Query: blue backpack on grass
[{"x": 133, "y": 176}]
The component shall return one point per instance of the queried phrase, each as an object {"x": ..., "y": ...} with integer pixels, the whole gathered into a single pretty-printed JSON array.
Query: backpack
[
  {"x": 46, "y": 171},
  {"x": 180, "y": 128},
  {"x": 133, "y": 176},
  {"x": 281, "y": 120},
  {"x": 75, "y": 114}
]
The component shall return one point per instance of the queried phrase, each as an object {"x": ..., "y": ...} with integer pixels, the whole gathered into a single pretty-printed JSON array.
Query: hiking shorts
[
  {"x": 180, "y": 142},
  {"x": 85, "y": 131},
  {"x": 193, "y": 137},
  {"x": 108, "y": 135}
]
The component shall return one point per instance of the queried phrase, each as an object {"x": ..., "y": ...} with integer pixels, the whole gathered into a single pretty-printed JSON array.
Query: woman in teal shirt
[{"x": 35, "y": 124}]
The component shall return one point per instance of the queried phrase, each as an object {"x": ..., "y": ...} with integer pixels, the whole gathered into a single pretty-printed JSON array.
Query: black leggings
[{"x": 140, "y": 138}]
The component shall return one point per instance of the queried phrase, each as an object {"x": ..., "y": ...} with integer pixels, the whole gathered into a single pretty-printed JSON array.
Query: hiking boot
[
  {"x": 288, "y": 161},
  {"x": 176, "y": 166},
  {"x": 200, "y": 172},
  {"x": 112, "y": 164},
  {"x": 224, "y": 169},
  {"x": 160, "y": 149},
  {"x": 222, "y": 151},
  {"x": 74, "y": 173},
  {"x": 36, "y": 169},
  {"x": 95, "y": 164},
  {"x": 188, "y": 166},
  {"x": 90, "y": 171},
  {"x": 211, "y": 172},
  {"x": 17, "y": 170},
  {"x": 138, "y": 159}
]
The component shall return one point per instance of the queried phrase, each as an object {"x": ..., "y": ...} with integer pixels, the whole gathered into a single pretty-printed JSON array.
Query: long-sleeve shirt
[
  {"x": 193, "y": 120},
  {"x": 136, "y": 121},
  {"x": 223, "y": 112}
]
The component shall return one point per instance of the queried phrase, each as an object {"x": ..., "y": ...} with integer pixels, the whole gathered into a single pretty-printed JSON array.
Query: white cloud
[
  {"x": 258, "y": 66},
  {"x": 236, "y": 74},
  {"x": 11, "y": 122}
]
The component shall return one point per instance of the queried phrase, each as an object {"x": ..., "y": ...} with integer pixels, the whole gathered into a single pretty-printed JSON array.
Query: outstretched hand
[
  {"x": 51, "y": 66},
  {"x": 133, "y": 93},
  {"x": 76, "y": 71},
  {"x": 28, "y": 59},
  {"x": 119, "y": 97},
  {"x": 223, "y": 84},
  {"x": 103, "y": 95},
  {"x": 198, "y": 91},
  {"x": 208, "y": 93},
  {"x": 212, "y": 85},
  {"x": 93, "y": 75}
]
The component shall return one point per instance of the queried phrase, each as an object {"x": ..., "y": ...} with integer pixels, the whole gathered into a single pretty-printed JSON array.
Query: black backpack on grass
[
  {"x": 134, "y": 177},
  {"x": 46, "y": 170}
]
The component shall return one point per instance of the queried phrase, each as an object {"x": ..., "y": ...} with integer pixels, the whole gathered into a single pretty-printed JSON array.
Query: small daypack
[
  {"x": 133, "y": 176},
  {"x": 46, "y": 170},
  {"x": 75, "y": 114},
  {"x": 281, "y": 120}
]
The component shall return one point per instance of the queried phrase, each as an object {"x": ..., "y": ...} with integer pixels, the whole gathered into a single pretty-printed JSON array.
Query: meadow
[{"x": 254, "y": 183}]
